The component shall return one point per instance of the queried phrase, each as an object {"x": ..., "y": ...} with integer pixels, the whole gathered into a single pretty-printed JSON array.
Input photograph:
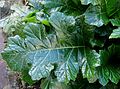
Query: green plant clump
[{"x": 66, "y": 44}]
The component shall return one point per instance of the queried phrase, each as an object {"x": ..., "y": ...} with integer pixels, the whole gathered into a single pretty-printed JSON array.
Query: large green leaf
[
  {"x": 41, "y": 55},
  {"x": 115, "y": 33},
  {"x": 42, "y": 61},
  {"x": 42, "y": 51}
]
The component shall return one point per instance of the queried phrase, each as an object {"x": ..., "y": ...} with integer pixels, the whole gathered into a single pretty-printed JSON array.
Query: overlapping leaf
[
  {"x": 115, "y": 22},
  {"x": 68, "y": 69},
  {"x": 109, "y": 69},
  {"x": 15, "y": 54},
  {"x": 99, "y": 14},
  {"x": 115, "y": 34},
  {"x": 61, "y": 22},
  {"x": 64, "y": 26},
  {"x": 90, "y": 62},
  {"x": 49, "y": 83},
  {"x": 94, "y": 16},
  {"x": 86, "y": 2},
  {"x": 107, "y": 73}
]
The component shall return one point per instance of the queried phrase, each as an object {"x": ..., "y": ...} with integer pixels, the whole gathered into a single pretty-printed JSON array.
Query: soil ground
[{"x": 4, "y": 81}]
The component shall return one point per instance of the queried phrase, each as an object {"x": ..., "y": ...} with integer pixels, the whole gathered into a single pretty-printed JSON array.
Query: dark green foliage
[{"x": 68, "y": 44}]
